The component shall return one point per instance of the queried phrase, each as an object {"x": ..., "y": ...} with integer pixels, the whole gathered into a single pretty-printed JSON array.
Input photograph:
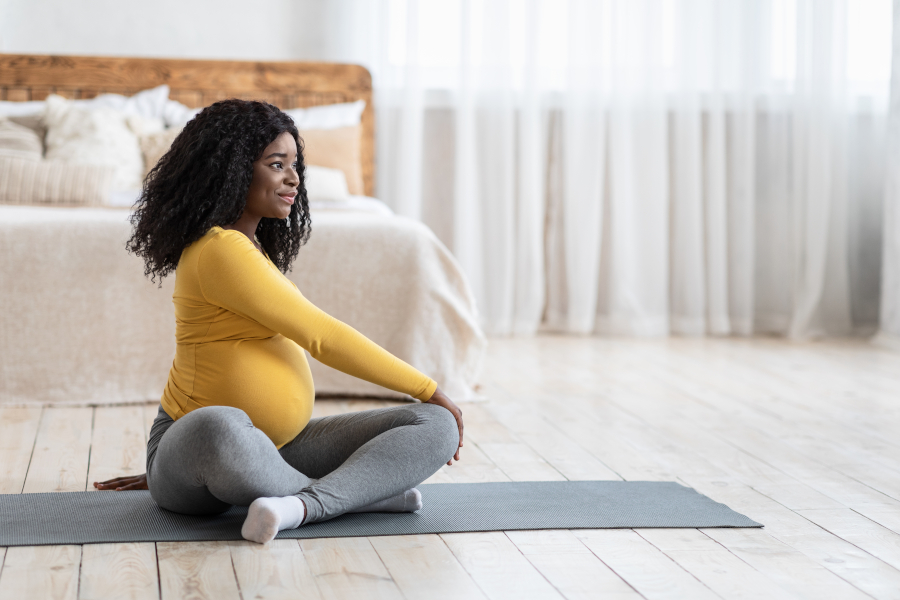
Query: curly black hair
[{"x": 203, "y": 180}]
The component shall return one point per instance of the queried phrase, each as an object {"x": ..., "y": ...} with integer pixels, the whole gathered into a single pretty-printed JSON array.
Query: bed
[{"x": 81, "y": 325}]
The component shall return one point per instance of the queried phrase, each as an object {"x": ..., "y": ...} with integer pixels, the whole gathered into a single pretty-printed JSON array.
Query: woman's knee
[
  {"x": 444, "y": 430},
  {"x": 217, "y": 416},
  {"x": 192, "y": 451},
  {"x": 213, "y": 458},
  {"x": 217, "y": 424},
  {"x": 206, "y": 436}
]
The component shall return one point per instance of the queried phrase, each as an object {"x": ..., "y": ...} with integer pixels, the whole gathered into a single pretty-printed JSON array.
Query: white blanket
[{"x": 80, "y": 324}]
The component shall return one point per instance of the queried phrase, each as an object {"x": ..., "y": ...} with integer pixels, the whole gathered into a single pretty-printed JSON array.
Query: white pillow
[
  {"x": 19, "y": 141},
  {"x": 325, "y": 185},
  {"x": 149, "y": 104},
  {"x": 329, "y": 116},
  {"x": 21, "y": 109},
  {"x": 142, "y": 126},
  {"x": 363, "y": 204},
  {"x": 98, "y": 136},
  {"x": 176, "y": 114}
]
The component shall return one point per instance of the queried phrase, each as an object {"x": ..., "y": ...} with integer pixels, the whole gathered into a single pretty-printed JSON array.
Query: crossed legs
[{"x": 213, "y": 458}]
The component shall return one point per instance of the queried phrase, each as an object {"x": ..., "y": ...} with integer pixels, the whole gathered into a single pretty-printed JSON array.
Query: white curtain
[
  {"x": 639, "y": 167},
  {"x": 890, "y": 299}
]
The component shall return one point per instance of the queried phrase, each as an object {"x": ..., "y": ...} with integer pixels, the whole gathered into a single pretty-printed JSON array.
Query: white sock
[
  {"x": 267, "y": 516},
  {"x": 408, "y": 501}
]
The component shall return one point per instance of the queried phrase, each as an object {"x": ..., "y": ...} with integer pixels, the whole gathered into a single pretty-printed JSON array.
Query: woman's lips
[{"x": 289, "y": 198}]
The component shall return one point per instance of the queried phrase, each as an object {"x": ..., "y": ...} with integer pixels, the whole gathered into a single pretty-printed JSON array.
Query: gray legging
[{"x": 214, "y": 457}]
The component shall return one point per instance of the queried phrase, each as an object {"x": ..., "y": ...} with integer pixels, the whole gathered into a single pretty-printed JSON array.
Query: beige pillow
[
  {"x": 98, "y": 136},
  {"x": 51, "y": 182},
  {"x": 338, "y": 148},
  {"x": 325, "y": 185},
  {"x": 32, "y": 122},
  {"x": 155, "y": 145},
  {"x": 19, "y": 141}
]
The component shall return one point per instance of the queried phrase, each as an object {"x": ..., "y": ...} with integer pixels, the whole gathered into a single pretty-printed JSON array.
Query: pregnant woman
[{"x": 226, "y": 210}]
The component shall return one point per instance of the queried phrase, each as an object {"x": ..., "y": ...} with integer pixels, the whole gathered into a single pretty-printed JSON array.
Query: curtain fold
[
  {"x": 638, "y": 167},
  {"x": 890, "y": 282}
]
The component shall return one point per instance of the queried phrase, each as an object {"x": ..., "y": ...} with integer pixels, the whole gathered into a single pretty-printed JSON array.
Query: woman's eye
[{"x": 277, "y": 165}]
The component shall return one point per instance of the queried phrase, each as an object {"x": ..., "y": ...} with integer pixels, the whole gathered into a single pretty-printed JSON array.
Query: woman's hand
[
  {"x": 441, "y": 399},
  {"x": 121, "y": 484}
]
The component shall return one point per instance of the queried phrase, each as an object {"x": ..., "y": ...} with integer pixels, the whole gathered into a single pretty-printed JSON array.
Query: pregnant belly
[{"x": 269, "y": 379}]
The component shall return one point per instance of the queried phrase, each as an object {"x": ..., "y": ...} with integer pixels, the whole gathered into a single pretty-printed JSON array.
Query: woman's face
[{"x": 273, "y": 188}]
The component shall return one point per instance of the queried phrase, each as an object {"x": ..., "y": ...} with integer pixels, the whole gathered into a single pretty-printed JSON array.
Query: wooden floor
[{"x": 804, "y": 438}]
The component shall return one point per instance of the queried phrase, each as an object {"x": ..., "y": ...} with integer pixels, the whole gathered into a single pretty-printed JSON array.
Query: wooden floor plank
[
  {"x": 474, "y": 466},
  {"x": 863, "y": 570},
  {"x": 695, "y": 470},
  {"x": 45, "y": 572},
  {"x": 58, "y": 464},
  {"x": 544, "y": 444},
  {"x": 424, "y": 568},
  {"x": 852, "y": 564},
  {"x": 119, "y": 443},
  {"x": 846, "y": 393},
  {"x": 273, "y": 571},
  {"x": 878, "y": 541},
  {"x": 346, "y": 568},
  {"x": 791, "y": 569},
  {"x": 196, "y": 571},
  {"x": 831, "y": 450},
  {"x": 746, "y": 453},
  {"x": 740, "y": 372},
  {"x": 150, "y": 412},
  {"x": 886, "y": 516},
  {"x": 675, "y": 408},
  {"x": 61, "y": 451},
  {"x": 561, "y": 452},
  {"x": 569, "y": 566},
  {"x": 600, "y": 438},
  {"x": 715, "y": 566},
  {"x": 643, "y": 566},
  {"x": 18, "y": 428},
  {"x": 497, "y": 566},
  {"x": 127, "y": 571},
  {"x": 801, "y": 437},
  {"x": 118, "y": 448},
  {"x": 518, "y": 461}
]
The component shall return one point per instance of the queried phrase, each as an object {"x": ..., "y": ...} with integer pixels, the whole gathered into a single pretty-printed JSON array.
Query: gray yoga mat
[{"x": 97, "y": 517}]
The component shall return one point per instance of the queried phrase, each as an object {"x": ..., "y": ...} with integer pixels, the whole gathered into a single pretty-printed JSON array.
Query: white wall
[{"x": 235, "y": 29}]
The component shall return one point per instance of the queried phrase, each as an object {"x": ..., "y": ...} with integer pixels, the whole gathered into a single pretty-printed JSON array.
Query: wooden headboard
[{"x": 196, "y": 83}]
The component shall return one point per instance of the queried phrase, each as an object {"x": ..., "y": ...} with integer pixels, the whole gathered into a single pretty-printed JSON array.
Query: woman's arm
[{"x": 234, "y": 275}]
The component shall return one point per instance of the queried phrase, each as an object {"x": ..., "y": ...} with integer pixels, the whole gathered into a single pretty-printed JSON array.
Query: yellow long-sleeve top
[{"x": 240, "y": 327}]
